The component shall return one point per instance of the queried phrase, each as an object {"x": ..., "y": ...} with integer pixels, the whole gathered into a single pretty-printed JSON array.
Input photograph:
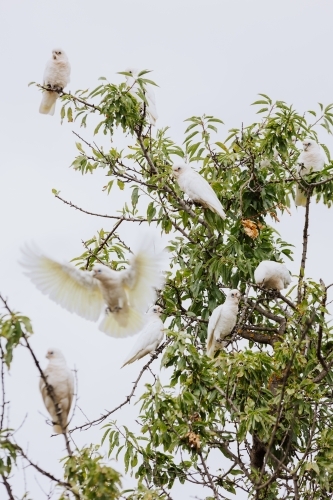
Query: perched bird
[
  {"x": 197, "y": 188},
  {"x": 222, "y": 322},
  {"x": 270, "y": 274},
  {"x": 149, "y": 338},
  {"x": 56, "y": 77},
  {"x": 148, "y": 92},
  {"x": 310, "y": 160},
  {"x": 127, "y": 293},
  {"x": 60, "y": 377}
]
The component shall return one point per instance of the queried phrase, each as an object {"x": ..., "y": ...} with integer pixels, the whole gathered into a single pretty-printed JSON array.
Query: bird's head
[
  {"x": 99, "y": 271},
  {"x": 54, "y": 353},
  {"x": 234, "y": 296},
  {"x": 156, "y": 310},
  {"x": 58, "y": 54},
  {"x": 308, "y": 144},
  {"x": 134, "y": 72},
  {"x": 177, "y": 170}
]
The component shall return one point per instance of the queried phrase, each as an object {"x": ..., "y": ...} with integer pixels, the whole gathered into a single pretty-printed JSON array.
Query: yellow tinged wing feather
[
  {"x": 75, "y": 290},
  {"x": 145, "y": 274}
]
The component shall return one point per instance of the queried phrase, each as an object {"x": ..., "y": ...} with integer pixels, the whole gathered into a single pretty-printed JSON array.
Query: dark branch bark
[{"x": 305, "y": 248}]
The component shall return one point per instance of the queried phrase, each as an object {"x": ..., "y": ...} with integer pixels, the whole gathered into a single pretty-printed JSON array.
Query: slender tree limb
[
  {"x": 129, "y": 397},
  {"x": 305, "y": 248},
  {"x": 8, "y": 487},
  {"x": 210, "y": 480},
  {"x": 120, "y": 217},
  {"x": 104, "y": 242}
]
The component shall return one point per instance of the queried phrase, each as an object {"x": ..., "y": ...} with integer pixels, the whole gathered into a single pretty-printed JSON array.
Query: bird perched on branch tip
[
  {"x": 221, "y": 322},
  {"x": 150, "y": 336},
  {"x": 56, "y": 77},
  {"x": 59, "y": 398},
  {"x": 197, "y": 188}
]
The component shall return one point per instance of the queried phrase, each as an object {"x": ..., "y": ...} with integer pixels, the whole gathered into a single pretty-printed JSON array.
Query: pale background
[{"x": 208, "y": 57}]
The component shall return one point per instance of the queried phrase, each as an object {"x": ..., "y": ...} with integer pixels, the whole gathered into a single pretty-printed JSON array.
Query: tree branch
[
  {"x": 129, "y": 397},
  {"x": 305, "y": 248}
]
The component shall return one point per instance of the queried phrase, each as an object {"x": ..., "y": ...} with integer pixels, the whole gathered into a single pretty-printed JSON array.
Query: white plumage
[
  {"x": 149, "y": 338},
  {"x": 270, "y": 274},
  {"x": 222, "y": 322},
  {"x": 126, "y": 293},
  {"x": 310, "y": 160},
  {"x": 148, "y": 92},
  {"x": 197, "y": 188},
  {"x": 56, "y": 77},
  {"x": 60, "y": 377}
]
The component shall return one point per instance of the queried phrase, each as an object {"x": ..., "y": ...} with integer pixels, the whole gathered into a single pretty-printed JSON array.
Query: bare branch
[
  {"x": 305, "y": 247},
  {"x": 129, "y": 397}
]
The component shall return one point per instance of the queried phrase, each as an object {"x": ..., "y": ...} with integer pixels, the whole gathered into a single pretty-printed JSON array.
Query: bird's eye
[
  {"x": 99, "y": 270},
  {"x": 232, "y": 295},
  {"x": 51, "y": 352}
]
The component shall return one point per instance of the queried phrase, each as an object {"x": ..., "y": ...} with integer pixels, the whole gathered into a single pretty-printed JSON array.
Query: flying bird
[
  {"x": 310, "y": 160},
  {"x": 148, "y": 92},
  {"x": 56, "y": 77},
  {"x": 60, "y": 377},
  {"x": 150, "y": 337},
  {"x": 126, "y": 293},
  {"x": 270, "y": 274},
  {"x": 197, "y": 188},
  {"x": 222, "y": 322}
]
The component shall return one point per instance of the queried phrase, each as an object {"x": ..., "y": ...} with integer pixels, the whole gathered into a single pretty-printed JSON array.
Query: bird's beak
[
  {"x": 306, "y": 147},
  {"x": 54, "y": 56}
]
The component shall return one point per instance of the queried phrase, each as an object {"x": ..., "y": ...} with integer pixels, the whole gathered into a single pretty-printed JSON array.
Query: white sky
[{"x": 208, "y": 57}]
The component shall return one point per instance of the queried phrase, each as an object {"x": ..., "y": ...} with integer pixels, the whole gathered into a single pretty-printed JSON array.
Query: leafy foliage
[{"x": 257, "y": 417}]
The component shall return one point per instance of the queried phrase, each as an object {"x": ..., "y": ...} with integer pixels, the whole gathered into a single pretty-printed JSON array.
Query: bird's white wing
[
  {"x": 204, "y": 193},
  {"x": 144, "y": 275},
  {"x": 75, "y": 290},
  {"x": 149, "y": 339},
  {"x": 210, "y": 344}
]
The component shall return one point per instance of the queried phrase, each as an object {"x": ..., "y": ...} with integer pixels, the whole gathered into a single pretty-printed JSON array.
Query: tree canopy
[{"x": 257, "y": 419}]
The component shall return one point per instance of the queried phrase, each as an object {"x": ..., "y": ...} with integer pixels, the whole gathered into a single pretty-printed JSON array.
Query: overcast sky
[{"x": 208, "y": 57}]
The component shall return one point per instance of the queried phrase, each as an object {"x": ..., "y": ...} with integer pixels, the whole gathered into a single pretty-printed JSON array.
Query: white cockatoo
[
  {"x": 222, "y": 322},
  {"x": 149, "y": 338},
  {"x": 267, "y": 162},
  {"x": 270, "y": 274},
  {"x": 126, "y": 293},
  {"x": 60, "y": 377},
  {"x": 148, "y": 92},
  {"x": 197, "y": 188},
  {"x": 56, "y": 77},
  {"x": 311, "y": 159}
]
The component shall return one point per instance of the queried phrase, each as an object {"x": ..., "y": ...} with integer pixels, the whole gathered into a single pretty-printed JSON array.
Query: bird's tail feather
[
  {"x": 130, "y": 360},
  {"x": 123, "y": 324},
  {"x": 300, "y": 198},
  {"x": 57, "y": 428},
  {"x": 47, "y": 106},
  {"x": 219, "y": 211}
]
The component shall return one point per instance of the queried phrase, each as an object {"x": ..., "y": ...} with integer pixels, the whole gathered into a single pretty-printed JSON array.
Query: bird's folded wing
[
  {"x": 211, "y": 329},
  {"x": 75, "y": 290},
  {"x": 144, "y": 275},
  {"x": 205, "y": 190}
]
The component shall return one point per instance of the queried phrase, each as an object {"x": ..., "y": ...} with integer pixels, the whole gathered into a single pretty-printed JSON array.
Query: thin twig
[
  {"x": 305, "y": 248},
  {"x": 129, "y": 397}
]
